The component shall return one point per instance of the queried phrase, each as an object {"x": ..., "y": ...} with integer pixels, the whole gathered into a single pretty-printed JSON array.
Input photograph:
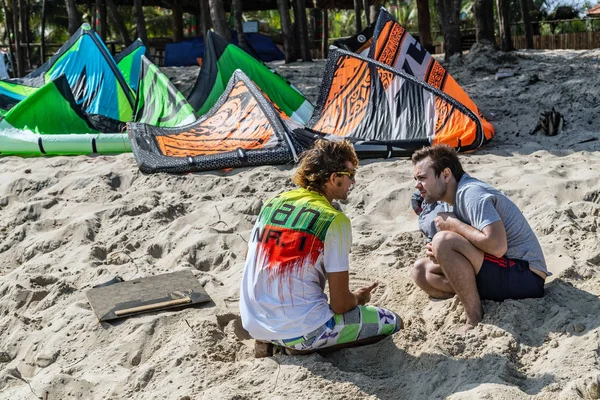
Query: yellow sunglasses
[{"x": 351, "y": 175}]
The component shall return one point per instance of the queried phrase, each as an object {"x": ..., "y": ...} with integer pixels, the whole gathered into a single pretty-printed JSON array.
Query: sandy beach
[{"x": 69, "y": 223}]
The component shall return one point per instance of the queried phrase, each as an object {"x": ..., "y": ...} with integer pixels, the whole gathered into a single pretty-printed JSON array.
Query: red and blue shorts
[{"x": 503, "y": 278}]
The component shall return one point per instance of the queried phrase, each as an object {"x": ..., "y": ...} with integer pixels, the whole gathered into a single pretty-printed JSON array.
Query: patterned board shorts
[{"x": 361, "y": 322}]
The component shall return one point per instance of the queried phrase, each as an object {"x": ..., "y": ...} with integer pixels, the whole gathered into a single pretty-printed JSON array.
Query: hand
[
  {"x": 363, "y": 295},
  {"x": 429, "y": 253},
  {"x": 446, "y": 221}
]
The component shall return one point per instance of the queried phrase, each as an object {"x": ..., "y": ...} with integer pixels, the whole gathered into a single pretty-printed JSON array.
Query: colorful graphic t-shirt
[{"x": 298, "y": 238}]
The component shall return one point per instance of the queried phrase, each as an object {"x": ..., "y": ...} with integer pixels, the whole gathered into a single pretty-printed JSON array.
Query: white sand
[{"x": 69, "y": 223}]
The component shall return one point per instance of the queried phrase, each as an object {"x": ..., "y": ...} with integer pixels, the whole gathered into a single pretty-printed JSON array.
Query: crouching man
[{"x": 485, "y": 249}]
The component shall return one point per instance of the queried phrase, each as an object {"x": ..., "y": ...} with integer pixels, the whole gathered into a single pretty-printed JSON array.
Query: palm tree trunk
[
  {"x": 177, "y": 21},
  {"x": 424, "y": 22},
  {"x": 7, "y": 18},
  {"x": 527, "y": 24},
  {"x": 358, "y": 20},
  {"x": 101, "y": 7},
  {"x": 204, "y": 17},
  {"x": 286, "y": 29},
  {"x": 484, "y": 20},
  {"x": 217, "y": 14},
  {"x": 205, "y": 22},
  {"x": 302, "y": 22},
  {"x": 73, "y": 17},
  {"x": 140, "y": 21},
  {"x": 43, "y": 33},
  {"x": 24, "y": 15},
  {"x": 449, "y": 11},
  {"x": 236, "y": 8},
  {"x": 6, "y": 23},
  {"x": 120, "y": 25},
  {"x": 295, "y": 31},
  {"x": 19, "y": 53},
  {"x": 325, "y": 44},
  {"x": 504, "y": 24},
  {"x": 92, "y": 8}
]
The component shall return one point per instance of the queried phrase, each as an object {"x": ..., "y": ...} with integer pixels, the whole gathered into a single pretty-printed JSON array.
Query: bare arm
[
  {"x": 341, "y": 299},
  {"x": 491, "y": 240}
]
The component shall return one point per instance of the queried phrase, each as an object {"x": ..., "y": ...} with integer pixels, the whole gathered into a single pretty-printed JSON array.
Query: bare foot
[
  {"x": 441, "y": 297},
  {"x": 462, "y": 331},
  {"x": 262, "y": 349}
]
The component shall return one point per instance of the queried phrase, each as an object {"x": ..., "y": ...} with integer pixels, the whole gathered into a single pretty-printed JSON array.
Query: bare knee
[
  {"x": 419, "y": 270},
  {"x": 444, "y": 240},
  {"x": 446, "y": 243}
]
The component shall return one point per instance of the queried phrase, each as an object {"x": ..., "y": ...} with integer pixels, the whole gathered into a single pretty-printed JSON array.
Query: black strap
[{"x": 41, "y": 146}]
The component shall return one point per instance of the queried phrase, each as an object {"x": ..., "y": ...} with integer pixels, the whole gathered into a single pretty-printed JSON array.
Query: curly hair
[
  {"x": 442, "y": 156},
  {"x": 318, "y": 163}
]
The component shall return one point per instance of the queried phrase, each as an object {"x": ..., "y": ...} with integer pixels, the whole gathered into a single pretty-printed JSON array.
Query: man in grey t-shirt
[{"x": 485, "y": 249}]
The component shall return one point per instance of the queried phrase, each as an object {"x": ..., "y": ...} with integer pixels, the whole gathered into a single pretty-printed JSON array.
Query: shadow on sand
[{"x": 388, "y": 372}]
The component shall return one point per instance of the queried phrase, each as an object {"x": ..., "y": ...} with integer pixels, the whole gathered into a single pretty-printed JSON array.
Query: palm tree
[
  {"x": 19, "y": 60},
  {"x": 357, "y": 7},
  {"x": 286, "y": 29},
  {"x": 527, "y": 24},
  {"x": 217, "y": 14},
  {"x": 236, "y": 7},
  {"x": 204, "y": 17},
  {"x": 424, "y": 23},
  {"x": 120, "y": 25},
  {"x": 73, "y": 15},
  {"x": 302, "y": 23},
  {"x": 140, "y": 21},
  {"x": 504, "y": 24},
  {"x": 449, "y": 11},
  {"x": 483, "y": 11}
]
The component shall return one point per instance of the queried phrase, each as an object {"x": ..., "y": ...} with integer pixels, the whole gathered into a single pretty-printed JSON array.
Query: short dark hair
[
  {"x": 324, "y": 158},
  {"x": 442, "y": 156}
]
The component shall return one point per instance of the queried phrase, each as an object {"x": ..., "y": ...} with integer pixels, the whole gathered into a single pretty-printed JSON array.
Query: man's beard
[{"x": 432, "y": 198}]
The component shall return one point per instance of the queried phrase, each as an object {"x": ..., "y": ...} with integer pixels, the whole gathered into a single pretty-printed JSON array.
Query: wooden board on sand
[{"x": 153, "y": 293}]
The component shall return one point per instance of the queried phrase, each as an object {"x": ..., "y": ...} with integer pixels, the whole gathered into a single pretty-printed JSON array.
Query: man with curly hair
[{"x": 301, "y": 241}]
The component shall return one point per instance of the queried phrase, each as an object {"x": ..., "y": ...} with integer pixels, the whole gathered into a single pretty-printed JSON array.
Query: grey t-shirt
[{"x": 479, "y": 205}]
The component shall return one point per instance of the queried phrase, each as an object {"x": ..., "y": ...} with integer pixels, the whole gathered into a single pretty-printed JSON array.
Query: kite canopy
[
  {"x": 129, "y": 62},
  {"x": 359, "y": 43},
  {"x": 50, "y": 121},
  {"x": 95, "y": 80},
  {"x": 71, "y": 112},
  {"x": 243, "y": 128},
  {"x": 389, "y": 104},
  {"x": 394, "y": 46},
  {"x": 222, "y": 59},
  {"x": 158, "y": 102},
  {"x": 97, "y": 83},
  {"x": 12, "y": 92},
  {"x": 368, "y": 100}
]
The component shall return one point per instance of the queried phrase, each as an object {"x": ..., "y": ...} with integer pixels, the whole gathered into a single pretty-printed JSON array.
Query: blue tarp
[{"x": 187, "y": 52}]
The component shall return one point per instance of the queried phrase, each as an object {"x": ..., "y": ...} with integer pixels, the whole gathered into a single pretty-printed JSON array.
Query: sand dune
[{"x": 69, "y": 223}]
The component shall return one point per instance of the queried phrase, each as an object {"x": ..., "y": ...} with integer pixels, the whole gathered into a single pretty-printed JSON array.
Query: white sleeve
[{"x": 337, "y": 245}]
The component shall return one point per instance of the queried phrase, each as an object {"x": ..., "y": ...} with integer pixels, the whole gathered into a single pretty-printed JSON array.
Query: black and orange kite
[{"x": 388, "y": 103}]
